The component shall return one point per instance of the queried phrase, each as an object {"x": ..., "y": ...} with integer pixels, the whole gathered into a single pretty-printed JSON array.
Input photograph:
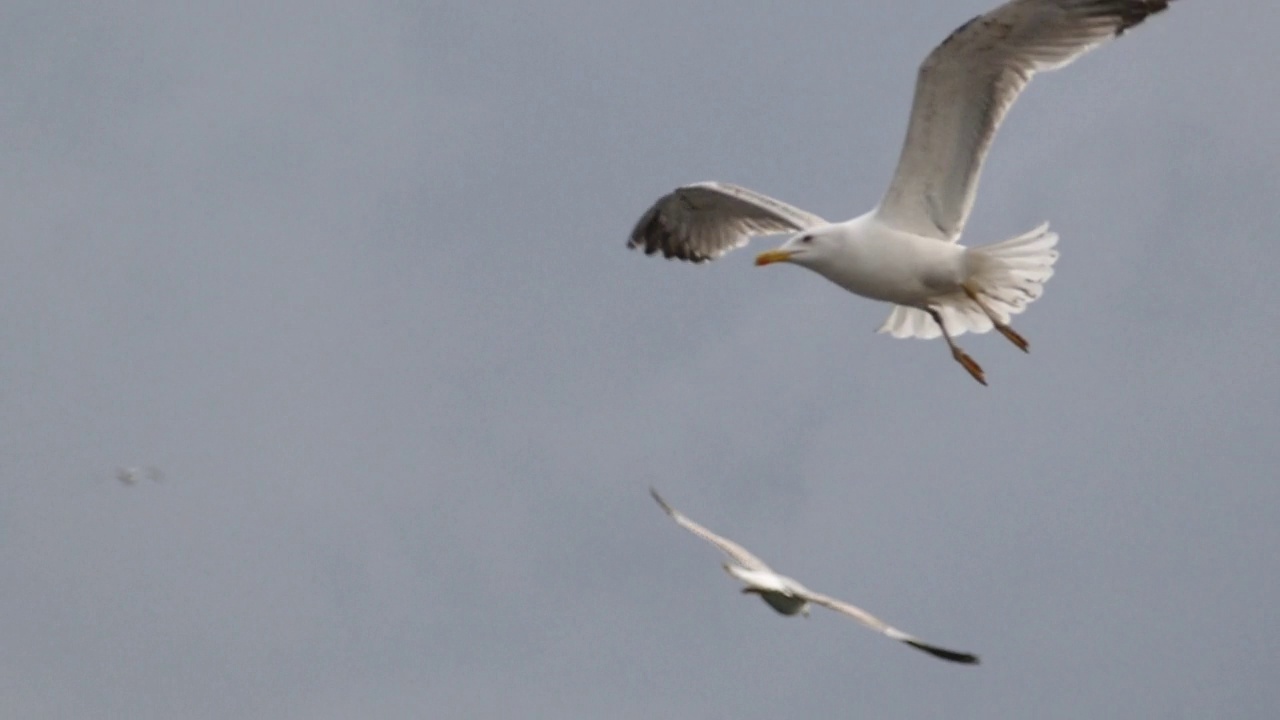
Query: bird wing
[
  {"x": 966, "y": 86},
  {"x": 735, "y": 551},
  {"x": 879, "y": 625},
  {"x": 703, "y": 221}
]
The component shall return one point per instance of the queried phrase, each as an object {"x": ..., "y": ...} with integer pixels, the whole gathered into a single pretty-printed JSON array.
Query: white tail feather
[{"x": 1007, "y": 276}]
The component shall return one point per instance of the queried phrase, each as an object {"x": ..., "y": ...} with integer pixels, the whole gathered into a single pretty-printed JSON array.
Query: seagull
[
  {"x": 905, "y": 251},
  {"x": 790, "y": 597}
]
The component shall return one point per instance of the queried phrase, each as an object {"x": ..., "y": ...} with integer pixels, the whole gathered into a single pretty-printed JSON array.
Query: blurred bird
[
  {"x": 131, "y": 475},
  {"x": 790, "y": 597}
]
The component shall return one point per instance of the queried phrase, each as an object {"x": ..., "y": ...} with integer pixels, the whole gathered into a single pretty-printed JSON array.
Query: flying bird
[
  {"x": 131, "y": 475},
  {"x": 790, "y": 597},
  {"x": 905, "y": 251}
]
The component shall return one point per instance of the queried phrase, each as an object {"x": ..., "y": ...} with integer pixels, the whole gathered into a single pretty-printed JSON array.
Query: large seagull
[
  {"x": 905, "y": 250},
  {"x": 790, "y": 597}
]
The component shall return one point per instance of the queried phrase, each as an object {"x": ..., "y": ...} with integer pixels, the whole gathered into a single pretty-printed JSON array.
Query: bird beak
[{"x": 774, "y": 256}]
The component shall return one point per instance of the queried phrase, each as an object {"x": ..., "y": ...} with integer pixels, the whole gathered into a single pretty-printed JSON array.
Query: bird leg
[
  {"x": 1004, "y": 329},
  {"x": 960, "y": 356}
]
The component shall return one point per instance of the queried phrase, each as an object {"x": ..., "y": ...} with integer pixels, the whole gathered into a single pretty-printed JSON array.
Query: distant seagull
[
  {"x": 904, "y": 251},
  {"x": 131, "y": 475},
  {"x": 790, "y": 597}
]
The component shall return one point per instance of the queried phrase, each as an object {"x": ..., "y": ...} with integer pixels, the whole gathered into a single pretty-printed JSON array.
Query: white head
[{"x": 806, "y": 247}]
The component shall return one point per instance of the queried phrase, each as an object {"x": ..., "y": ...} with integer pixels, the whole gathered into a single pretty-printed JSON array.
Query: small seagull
[
  {"x": 790, "y": 597},
  {"x": 905, "y": 251},
  {"x": 131, "y": 475}
]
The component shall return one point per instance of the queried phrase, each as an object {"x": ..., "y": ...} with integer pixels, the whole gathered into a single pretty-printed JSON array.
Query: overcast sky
[{"x": 353, "y": 275}]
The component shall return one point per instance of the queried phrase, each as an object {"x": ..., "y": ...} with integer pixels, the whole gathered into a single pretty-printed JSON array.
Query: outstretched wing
[
  {"x": 705, "y": 220},
  {"x": 879, "y": 625},
  {"x": 735, "y": 551},
  {"x": 967, "y": 85}
]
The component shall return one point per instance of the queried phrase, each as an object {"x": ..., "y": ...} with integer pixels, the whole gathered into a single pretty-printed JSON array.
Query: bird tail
[{"x": 1006, "y": 276}]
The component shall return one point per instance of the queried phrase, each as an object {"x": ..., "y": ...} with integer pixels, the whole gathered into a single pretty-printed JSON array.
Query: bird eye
[{"x": 806, "y": 238}]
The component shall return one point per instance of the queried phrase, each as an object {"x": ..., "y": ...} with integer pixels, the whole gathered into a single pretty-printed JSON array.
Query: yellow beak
[{"x": 773, "y": 256}]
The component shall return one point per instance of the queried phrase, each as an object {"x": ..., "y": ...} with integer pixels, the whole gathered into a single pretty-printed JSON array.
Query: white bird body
[
  {"x": 882, "y": 262},
  {"x": 781, "y": 593},
  {"x": 905, "y": 250},
  {"x": 789, "y": 597}
]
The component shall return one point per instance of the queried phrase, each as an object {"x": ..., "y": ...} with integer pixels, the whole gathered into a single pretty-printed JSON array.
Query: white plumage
[
  {"x": 788, "y": 596},
  {"x": 904, "y": 251}
]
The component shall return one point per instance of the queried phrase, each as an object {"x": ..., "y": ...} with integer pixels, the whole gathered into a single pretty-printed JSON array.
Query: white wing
[
  {"x": 879, "y": 625},
  {"x": 967, "y": 85},
  {"x": 735, "y": 551},
  {"x": 705, "y": 220}
]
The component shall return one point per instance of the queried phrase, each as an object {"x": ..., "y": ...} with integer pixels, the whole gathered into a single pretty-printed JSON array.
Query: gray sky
[{"x": 353, "y": 276}]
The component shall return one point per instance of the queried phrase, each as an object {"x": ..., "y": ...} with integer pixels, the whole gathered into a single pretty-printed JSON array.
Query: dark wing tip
[
  {"x": 1133, "y": 12},
  {"x": 1128, "y": 13},
  {"x": 661, "y": 503},
  {"x": 952, "y": 655},
  {"x": 652, "y": 235}
]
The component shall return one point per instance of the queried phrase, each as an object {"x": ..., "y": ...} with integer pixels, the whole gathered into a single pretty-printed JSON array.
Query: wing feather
[
  {"x": 965, "y": 88},
  {"x": 703, "y": 221},
  {"x": 881, "y": 626},
  {"x": 735, "y": 551}
]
